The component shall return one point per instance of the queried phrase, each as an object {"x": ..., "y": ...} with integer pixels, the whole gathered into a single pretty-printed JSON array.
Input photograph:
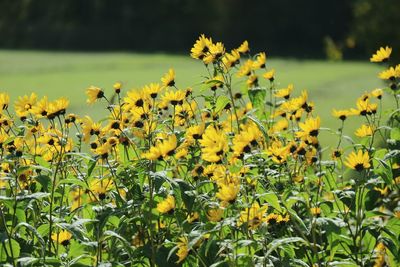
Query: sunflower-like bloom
[
  {"x": 168, "y": 146},
  {"x": 380, "y": 252},
  {"x": 213, "y": 144},
  {"x": 117, "y": 87},
  {"x": 377, "y": 93},
  {"x": 382, "y": 54},
  {"x": 273, "y": 219},
  {"x": 167, "y": 205},
  {"x": 285, "y": 92},
  {"x": 169, "y": 78},
  {"x": 358, "y": 161},
  {"x": 152, "y": 90},
  {"x": 174, "y": 97},
  {"x": 135, "y": 99},
  {"x": 94, "y": 93},
  {"x": 183, "y": 248},
  {"x": 57, "y": 108},
  {"x": 341, "y": 114},
  {"x": 228, "y": 192},
  {"x": 249, "y": 137},
  {"x": 184, "y": 112},
  {"x": 245, "y": 69},
  {"x": 364, "y": 130},
  {"x": 364, "y": 107},
  {"x": 253, "y": 216},
  {"x": 231, "y": 59},
  {"x": 215, "y": 214},
  {"x": 194, "y": 133},
  {"x": 279, "y": 126},
  {"x": 201, "y": 47},
  {"x": 63, "y": 237},
  {"x": 278, "y": 152},
  {"x": 4, "y": 101},
  {"x": 41, "y": 108},
  {"x": 216, "y": 82},
  {"x": 269, "y": 75},
  {"x": 153, "y": 154},
  {"x": 390, "y": 74},
  {"x": 259, "y": 63},
  {"x": 310, "y": 128},
  {"x": 315, "y": 211},
  {"x": 216, "y": 51},
  {"x": 99, "y": 189},
  {"x": 25, "y": 103},
  {"x": 244, "y": 48},
  {"x": 90, "y": 128},
  {"x": 336, "y": 154}
]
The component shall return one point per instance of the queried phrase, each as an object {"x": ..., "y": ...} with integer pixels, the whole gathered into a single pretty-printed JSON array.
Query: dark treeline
[{"x": 284, "y": 28}]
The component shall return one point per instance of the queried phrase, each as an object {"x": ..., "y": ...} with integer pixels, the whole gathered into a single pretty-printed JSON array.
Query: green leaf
[
  {"x": 280, "y": 242},
  {"x": 15, "y": 248},
  {"x": 222, "y": 101},
  {"x": 395, "y": 134},
  {"x": 272, "y": 200},
  {"x": 257, "y": 97}
]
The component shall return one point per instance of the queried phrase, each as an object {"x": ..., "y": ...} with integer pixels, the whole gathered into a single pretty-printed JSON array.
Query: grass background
[{"x": 55, "y": 74}]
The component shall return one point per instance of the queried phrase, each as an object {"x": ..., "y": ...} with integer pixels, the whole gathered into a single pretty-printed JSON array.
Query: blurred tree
[
  {"x": 285, "y": 28},
  {"x": 376, "y": 24}
]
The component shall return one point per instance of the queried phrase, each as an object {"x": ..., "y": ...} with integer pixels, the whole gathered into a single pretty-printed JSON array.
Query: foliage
[{"x": 228, "y": 173}]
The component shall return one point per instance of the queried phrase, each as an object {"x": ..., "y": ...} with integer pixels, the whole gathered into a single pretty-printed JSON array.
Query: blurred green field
[{"x": 55, "y": 74}]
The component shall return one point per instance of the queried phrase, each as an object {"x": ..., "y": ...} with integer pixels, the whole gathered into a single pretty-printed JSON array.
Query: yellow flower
[
  {"x": 183, "y": 248},
  {"x": 269, "y": 75},
  {"x": 63, "y": 237},
  {"x": 153, "y": 154},
  {"x": 273, "y": 219},
  {"x": 285, "y": 92},
  {"x": 90, "y": 128},
  {"x": 377, "y": 93},
  {"x": 213, "y": 144},
  {"x": 389, "y": 74},
  {"x": 336, "y": 154},
  {"x": 57, "y": 108},
  {"x": 169, "y": 78},
  {"x": 216, "y": 51},
  {"x": 245, "y": 69},
  {"x": 244, "y": 48},
  {"x": 231, "y": 59},
  {"x": 174, "y": 97},
  {"x": 259, "y": 63},
  {"x": 152, "y": 90},
  {"x": 358, "y": 161},
  {"x": 194, "y": 133},
  {"x": 253, "y": 216},
  {"x": 228, "y": 192},
  {"x": 167, "y": 205},
  {"x": 252, "y": 81},
  {"x": 99, "y": 188},
  {"x": 215, "y": 214},
  {"x": 25, "y": 104},
  {"x": 94, "y": 93},
  {"x": 364, "y": 130},
  {"x": 201, "y": 47},
  {"x": 310, "y": 128},
  {"x": 278, "y": 152},
  {"x": 315, "y": 211},
  {"x": 341, "y": 114},
  {"x": 382, "y": 54},
  {"x": 167, "y": 146},
  {"x": 135, "y": 99},
  {"x": 192, "y": 217},
  {"x": 117, "y": 87},
  {"x": 4, "y": 101}
]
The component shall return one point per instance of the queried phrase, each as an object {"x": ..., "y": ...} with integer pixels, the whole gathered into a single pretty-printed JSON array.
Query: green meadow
[{"x": 55, "y": 74}]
